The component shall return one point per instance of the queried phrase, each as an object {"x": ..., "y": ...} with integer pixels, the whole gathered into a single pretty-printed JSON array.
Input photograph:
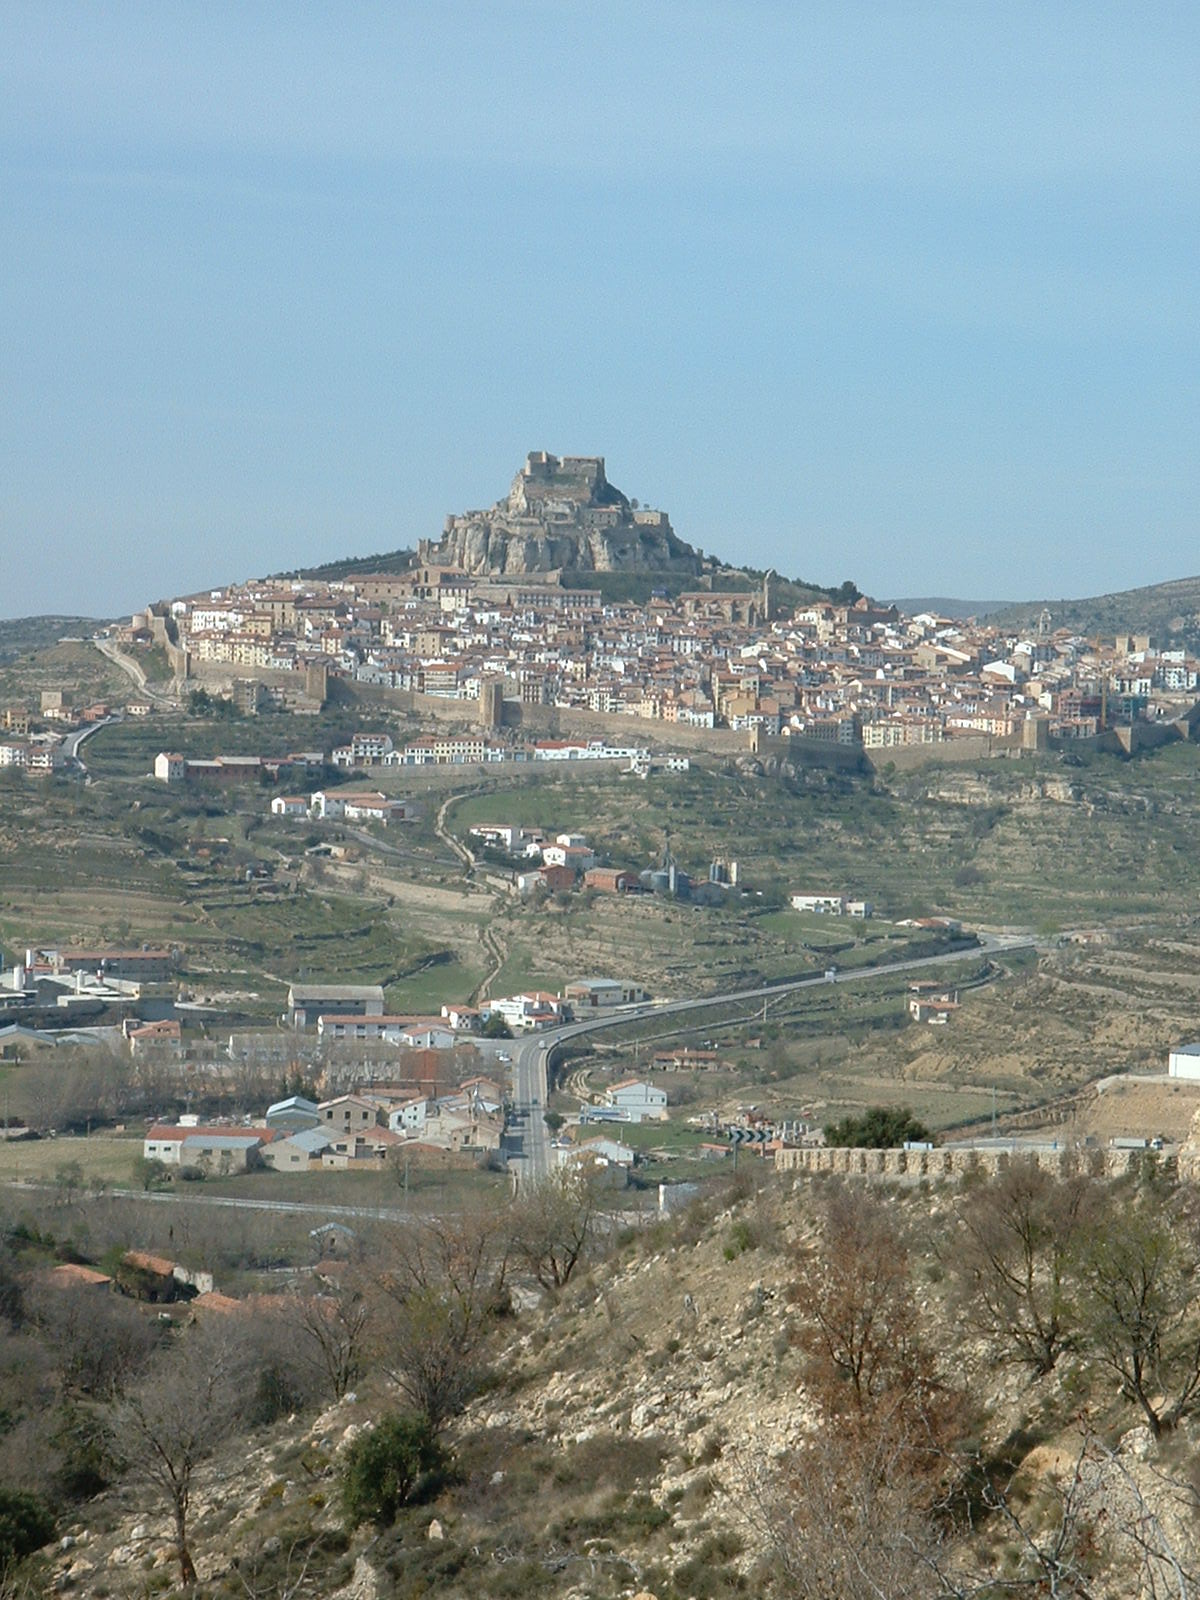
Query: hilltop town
[
  {"x": 497, "y": 905},
  {"x": 496, "y": 623}
]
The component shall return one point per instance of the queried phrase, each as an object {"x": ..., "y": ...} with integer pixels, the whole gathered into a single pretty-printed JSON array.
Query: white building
[
  {"x": 349, "y": 1025},
  {"x": 409, "y": 1118},
  {"x": 580, "y": 857},
  {"x": 364, "y": 750},
  {"x": 526, "y": 1013},
  {"x": 599, "y": 1152},
  {"x": 1184, "y": 1061},
  {"x": 287, "y": 805},
  {"x": 830, "y": 904},
  {"x": 358, "y": 806},
  {"x": 168, "y": 767},
  {"x": 638, "y": 1101},
  {"x": 424, "y": 1033}
]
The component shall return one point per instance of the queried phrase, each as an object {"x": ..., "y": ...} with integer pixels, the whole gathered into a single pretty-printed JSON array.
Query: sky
[{"x": 906, "y": 293}]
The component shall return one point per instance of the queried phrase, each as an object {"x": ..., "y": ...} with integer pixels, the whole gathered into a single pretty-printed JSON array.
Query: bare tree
[
  {"x": 844, "y": 1520},
  {"x": 1141, "y": 1282},
  {"x": 441, "y": 1290},
  {"x": 99, "y": 1342},
  {"x": 854, "y": 1293},
  {"x": 1017, "y": 1258},
  {"x": 169, "y": 1425},
  {"x": 329, "y": 1331},
  {"x": 552, "y": 1224}
]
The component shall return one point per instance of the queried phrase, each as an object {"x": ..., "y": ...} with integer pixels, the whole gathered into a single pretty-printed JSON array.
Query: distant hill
[
  {"x": 1166, "y": 610},
  {"x": 940, "y": 606},
  {"x": 19, "y": 635}
]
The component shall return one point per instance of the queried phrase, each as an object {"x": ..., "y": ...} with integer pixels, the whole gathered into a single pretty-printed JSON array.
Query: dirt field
[
  {"x": 1132, "y": 1110},
  {"x": 107, "y": 1158}
]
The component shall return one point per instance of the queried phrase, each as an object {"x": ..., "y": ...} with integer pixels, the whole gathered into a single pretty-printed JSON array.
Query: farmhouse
[{"x": 637, "y": 1101}]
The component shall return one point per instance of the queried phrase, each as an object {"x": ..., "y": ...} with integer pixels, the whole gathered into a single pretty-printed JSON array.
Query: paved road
[
  {"x": 73, "y": 741},
  {"x": 134, "y": 670},
  {"x": 527, "y": 1141}
]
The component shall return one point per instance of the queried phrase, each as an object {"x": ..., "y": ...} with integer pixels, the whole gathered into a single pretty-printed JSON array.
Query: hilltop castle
[{"x": 561, "y": 513}]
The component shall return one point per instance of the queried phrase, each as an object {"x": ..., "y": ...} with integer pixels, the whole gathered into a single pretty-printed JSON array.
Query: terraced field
[{"x": 1050, "y": 845}]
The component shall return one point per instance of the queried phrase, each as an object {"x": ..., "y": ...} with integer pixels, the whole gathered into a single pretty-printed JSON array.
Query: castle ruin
[{"x": 561, "y": 514}]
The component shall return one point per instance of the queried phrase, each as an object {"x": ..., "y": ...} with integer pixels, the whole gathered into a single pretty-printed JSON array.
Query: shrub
[
  {"x": 25, "y": 1525},
  {"x": 397, "y": 1463},
  {"x": 742, "y": 1236},
  {"x": 880, "y": 1128}
]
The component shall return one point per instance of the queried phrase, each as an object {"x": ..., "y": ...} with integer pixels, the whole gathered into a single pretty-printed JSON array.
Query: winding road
[
  {"x": 133, "y": 669},
  {"x": 527, "y": 1142}
]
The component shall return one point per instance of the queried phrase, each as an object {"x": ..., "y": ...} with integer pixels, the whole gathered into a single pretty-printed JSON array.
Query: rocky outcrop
[{"x": 562, "y": 514}]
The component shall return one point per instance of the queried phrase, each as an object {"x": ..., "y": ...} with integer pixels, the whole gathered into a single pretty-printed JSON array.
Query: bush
[
  {"x": 880, "y": 1128},
  {"x": 25, "y": 1525},
  {"x": 742, "y": 1236},
  {"x": 86, "y": 1464},
  {"x": 397, "y": 1463},
  {"x": 150, "y": 1174}
]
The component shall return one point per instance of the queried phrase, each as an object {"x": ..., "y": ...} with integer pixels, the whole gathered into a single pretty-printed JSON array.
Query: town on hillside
[{"x": 505, "y": 620}]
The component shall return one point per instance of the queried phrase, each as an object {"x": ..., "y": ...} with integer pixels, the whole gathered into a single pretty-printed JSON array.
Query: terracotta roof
[
  {"x": 71, "y": 1274},
  {"x": 148, "y": 1263},
  {"x": 223, "y": 1304}
]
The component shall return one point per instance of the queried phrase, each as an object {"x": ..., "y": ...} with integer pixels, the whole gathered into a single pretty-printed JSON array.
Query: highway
[{"x": 527, "y": 1141}]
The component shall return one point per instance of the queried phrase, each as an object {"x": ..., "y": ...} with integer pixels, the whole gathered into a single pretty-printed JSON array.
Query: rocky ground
[{"x": 620, "y": 1447}]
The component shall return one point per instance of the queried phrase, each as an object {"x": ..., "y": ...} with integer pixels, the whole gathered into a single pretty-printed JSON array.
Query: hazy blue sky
[{"x": 900, "y": 292}]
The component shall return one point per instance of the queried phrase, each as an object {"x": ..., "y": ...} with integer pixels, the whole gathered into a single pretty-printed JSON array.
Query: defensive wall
[
  {"x": 1127, "y": 740},
  {"x": 939, "y": 1165}
]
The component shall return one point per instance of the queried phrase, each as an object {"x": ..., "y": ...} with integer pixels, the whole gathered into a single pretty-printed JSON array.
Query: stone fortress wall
[
  {"x": 561, "y": 513},
  {"x": 939, "y": 1165}
]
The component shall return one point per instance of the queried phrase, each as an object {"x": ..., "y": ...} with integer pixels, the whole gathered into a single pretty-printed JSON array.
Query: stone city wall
[{"x": 939, "y": 1164}]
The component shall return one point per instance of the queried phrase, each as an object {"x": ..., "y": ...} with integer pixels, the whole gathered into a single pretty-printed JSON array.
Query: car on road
[{"x": 502, "y": 1056}]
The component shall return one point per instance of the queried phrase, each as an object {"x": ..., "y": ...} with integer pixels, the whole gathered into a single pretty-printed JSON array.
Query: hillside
[
  {"x": 1166, "y": 610},
  {"x": 349, "y": 566},
  {"x": 20, "y": 635},
  {"x": 942, "y": 606},
  {"x": 670, "y": 1424}
]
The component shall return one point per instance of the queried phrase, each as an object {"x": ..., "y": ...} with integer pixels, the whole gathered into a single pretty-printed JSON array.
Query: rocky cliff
[{"x": 562, "y": 514}]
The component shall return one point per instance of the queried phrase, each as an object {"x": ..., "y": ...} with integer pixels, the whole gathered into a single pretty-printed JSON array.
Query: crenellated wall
[{"x": 940, "y": 1165}]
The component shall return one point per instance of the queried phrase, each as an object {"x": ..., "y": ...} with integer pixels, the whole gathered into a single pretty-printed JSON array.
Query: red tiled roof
[{"x": 71, "y": 1273}]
